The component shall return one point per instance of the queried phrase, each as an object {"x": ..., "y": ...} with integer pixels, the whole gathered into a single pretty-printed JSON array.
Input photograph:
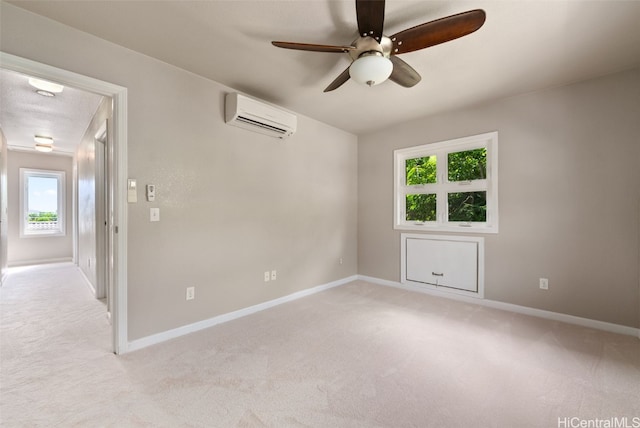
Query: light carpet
[{"x": 359, "y": 355}]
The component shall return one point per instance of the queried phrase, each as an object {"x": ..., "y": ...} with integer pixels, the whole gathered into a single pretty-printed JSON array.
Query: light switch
[
  {"x": 132, "y": 192},
  {"x": 154, "y": 214}
]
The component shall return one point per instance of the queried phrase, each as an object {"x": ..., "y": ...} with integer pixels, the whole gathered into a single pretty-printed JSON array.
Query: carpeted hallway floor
[{"x": 358, "y": 355}]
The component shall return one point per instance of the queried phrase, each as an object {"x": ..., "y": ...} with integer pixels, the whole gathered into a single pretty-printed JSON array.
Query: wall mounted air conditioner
[{"x": 254, "y": 115}]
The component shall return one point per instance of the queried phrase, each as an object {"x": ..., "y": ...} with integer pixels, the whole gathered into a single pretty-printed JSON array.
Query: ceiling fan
[{"x": 374, "y": 55}]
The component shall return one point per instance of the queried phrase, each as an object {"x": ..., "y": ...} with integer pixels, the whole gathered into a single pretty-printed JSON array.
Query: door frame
[
  {"x": 102, "y": 213},
  {"x": 116, "y": 179}
]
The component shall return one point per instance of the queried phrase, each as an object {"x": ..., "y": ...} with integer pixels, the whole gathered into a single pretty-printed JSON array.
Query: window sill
[
  {"x": 43, "y": 235},
  {"x": 448, "y": 228}
]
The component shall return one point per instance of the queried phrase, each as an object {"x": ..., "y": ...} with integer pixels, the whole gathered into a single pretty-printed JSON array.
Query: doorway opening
[{"x": 113, "y": 196}]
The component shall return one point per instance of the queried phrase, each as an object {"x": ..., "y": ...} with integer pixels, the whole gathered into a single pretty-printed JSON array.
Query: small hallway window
[{"x": 42, "y": 202}]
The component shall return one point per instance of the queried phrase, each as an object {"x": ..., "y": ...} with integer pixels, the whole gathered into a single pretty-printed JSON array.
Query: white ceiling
[
  {"x": 524, "y": 46},
  {"x": 25, "y": 114}
]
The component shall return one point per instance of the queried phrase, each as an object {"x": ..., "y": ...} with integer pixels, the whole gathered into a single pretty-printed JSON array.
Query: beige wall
[
  {"x": 31, "y": 250},
  {"x": 4, "y": 230},
  {"x": 87, "y": 189},
  {"x": 233, "y": 204},
  {"x": 569, "y": 186}
]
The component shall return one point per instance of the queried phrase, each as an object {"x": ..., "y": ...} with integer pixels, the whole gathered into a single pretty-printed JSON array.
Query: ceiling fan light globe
[{"x": 371, "y": 69}]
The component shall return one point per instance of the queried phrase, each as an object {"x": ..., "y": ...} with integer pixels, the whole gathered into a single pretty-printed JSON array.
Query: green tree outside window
[
  {"x": 421, "y": 170},
  {"x": 43, "y": 217},
  {"x": 467, "y": 165}
]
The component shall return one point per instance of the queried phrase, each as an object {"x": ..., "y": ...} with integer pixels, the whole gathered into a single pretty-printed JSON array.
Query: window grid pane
[
  {"x": 467, "y": 165},
  {"x": 467, "y": 206},
  {"x": 421, "y": 170},
  {"x": 421, "y": 207}
]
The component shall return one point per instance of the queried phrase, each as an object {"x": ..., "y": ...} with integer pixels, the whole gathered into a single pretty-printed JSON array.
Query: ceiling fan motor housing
[{"x": 368, "y": 45}]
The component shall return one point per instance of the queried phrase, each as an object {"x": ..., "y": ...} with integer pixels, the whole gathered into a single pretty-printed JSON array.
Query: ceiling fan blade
[
  {"x": 403, "y": 74},
  {"x": 370, "y": 18},
  {"x": 438, "y": 31},
  {"x": 312, "y": 47},
  {"x": 339, "y": 81}
]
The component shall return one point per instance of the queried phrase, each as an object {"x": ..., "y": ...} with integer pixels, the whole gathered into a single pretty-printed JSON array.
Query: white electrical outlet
[
  {"x": 191, "y": 293},
  {"x": 544, "y": 283},
  {"x": 267, "y": 276},
  {"x": 274, "y": 275},
  {"x": 340, "y": 260}
]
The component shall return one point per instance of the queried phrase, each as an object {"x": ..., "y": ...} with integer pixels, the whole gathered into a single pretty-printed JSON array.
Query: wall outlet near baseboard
[
  {"x": 267, "y": 276},
  {"x": 191, "y": 293},
  {"x": 544, "y": 283},
  {"x": 274, "y": 275}
]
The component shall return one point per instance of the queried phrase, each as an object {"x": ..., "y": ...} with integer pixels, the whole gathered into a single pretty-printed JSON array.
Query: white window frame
[
  {"x": 25, "y": 173},
  {"x": 444, "y": 186}
]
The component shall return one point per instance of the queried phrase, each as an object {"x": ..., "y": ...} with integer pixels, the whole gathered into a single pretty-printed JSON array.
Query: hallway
[
  {"x": 51, "y": 324},
  {"x": 35, "y": 295}
]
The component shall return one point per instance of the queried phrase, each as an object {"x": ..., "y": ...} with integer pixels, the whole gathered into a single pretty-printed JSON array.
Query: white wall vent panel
[
  {"x": 258, "y": 116},
  {"x": 446, "y": 263}
]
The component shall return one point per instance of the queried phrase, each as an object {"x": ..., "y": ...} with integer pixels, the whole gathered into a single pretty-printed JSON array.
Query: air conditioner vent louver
[
  {"x": 261, "y": 125},
  {"x": 257, "y": 116}
]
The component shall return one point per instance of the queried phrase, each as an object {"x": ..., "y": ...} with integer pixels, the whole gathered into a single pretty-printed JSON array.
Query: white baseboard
[
  {"x": 39, "y": 261},
  {"x": 540, "y": 313},
  {"x": 201, "y": 325},
  {"x": 86, "y": 278}
]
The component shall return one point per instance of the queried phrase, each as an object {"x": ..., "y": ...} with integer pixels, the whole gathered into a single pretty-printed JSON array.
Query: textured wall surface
[
  {"x": 569, "y": 196},
  {"x": 89, "y": 193},
  {"x": 233, "y": 203},
  {"x": 4, "y": 208}
]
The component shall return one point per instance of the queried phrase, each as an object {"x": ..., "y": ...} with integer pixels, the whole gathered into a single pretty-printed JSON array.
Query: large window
[
  {"x": 42, "y": 202},
  {"x": 451, "y": 185}
]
